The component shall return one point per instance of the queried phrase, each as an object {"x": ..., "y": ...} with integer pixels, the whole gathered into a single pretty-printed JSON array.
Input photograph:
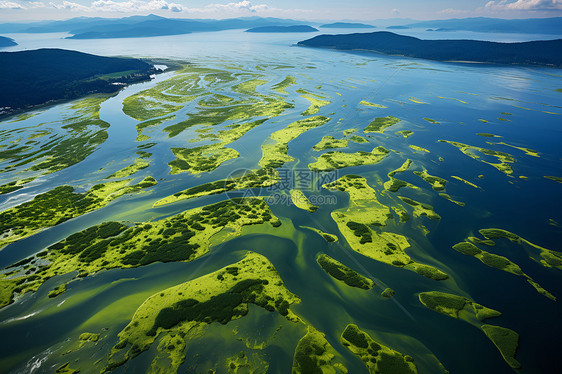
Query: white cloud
[
  {"x": 242, "y": 5},
  {"x": 525, "y": 5},
  {"x": 454, "y": 12},
  {"x": 395, "y": 12},
  {"x": 10, "y": 5},
  {"x": 120, "y": 6}
]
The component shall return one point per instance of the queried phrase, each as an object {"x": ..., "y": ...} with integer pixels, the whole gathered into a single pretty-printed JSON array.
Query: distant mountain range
[
  {"x": 152, "y": 25},
  {"x": 140, "y": 26},
  {"x": 527, "y": 53},
  {"x": 552, "y": 26},
  {"x": 347, "y": 25},
  {"x": 7, "y": 42},
  {"x": 293, "y": 28},
  {"x": 36, "y": 77}
]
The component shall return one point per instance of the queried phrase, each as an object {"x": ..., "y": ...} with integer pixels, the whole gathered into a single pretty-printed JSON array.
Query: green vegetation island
[{"x": 543, "y": 53}]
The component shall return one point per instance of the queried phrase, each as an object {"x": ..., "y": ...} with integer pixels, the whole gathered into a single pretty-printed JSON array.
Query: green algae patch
[
  {"x": 549, "y": 258},
  {"x": 81, "y": 133},
  {"x": 377, "y": 357},
  {"x": 314, "y": 354},
  {"x": 456, "y": 306},
  {"x": 504, "y": 159},
  {"x": 182, "y": 237},
  {"x": 488, "y": 259},
  {"x": 421, "y": 209},
  {"x": 243, "y": 363},
  {"x": 343, "y": 273},
  {"x": 553, "y": 178},
  {"x": 487, "y": 135},
  {"x": 315, "y": 105},
  {"x": 59, "y": 205},
  {"x": 388, "y": 293},
  {"x": 464, "y": 181},
  {"x": 333, "y": 160},
  {"x": 143, "y": 108},
  {"x": 218, "y": 297},
  {"x": 358, "y": 139},
  {"x": 394, "y": 184},
  {"x": 170, "y": 95},
  {"x": 274, "y": 151},
  {"x": 432, "y": 121},
  {"x": 282, "y": 86},
  {"x": 486, "y": 242},
  {"x": 200, "y": 159},
  {"x": 249, "y": 86},
  {"x": 349, "y": 131},
  {"x": 300, "y": 200},
  {"x": 416, "y": 101},
  {"x": 499, "y": 262},
  {"x": 209, "y": 157},
  {"x": 129, "y": 170},
  {"x": 367, "y": 103},
  {"x": 330, "y": 238},
  {"x": 14, "y": 186},
  {"x": 329, "y": 142},
  {"x": 66, "y": 369},
  {"x": 364, "y": 213},
  {"x": 379, "y": 124},
  {"x": 437, "y": 183},
  {"x": 528, "y": 151},
  {"x": 419, "y": 149},
  {"x": 448, "y": 197},
  {"x": 251, "y": 179},
  {"x": 507, "y": 342},
  {"x": 7, "y": 288},
  {"x": 57, "y": 291},
  {"x": 404, "y": 133},
  {"x": 89, "y": 337},
  {"x": 150, "y": 123}
]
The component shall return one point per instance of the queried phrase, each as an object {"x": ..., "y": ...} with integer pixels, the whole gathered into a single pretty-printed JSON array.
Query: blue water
[{"x": 523, "y": 206}]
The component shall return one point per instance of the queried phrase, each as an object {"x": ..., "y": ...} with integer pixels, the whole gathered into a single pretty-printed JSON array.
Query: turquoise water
[{"x": 35, "y": 330}]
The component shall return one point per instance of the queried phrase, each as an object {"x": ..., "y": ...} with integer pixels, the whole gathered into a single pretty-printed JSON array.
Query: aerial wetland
[{"x": 308, "y": 212}]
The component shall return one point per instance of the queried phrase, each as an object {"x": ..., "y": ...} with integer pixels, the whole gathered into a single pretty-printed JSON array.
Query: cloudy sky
[{"x": 15, "y": 10}]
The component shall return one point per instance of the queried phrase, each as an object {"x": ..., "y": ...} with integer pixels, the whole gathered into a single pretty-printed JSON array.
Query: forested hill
[
  {"x": 7, "y": 42},
  {"x": 36, "y": 77},
  {"x": 547, "y": 53}
]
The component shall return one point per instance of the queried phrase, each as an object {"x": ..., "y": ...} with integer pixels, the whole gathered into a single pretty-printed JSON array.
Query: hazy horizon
[{"x": 312, "y": 10}]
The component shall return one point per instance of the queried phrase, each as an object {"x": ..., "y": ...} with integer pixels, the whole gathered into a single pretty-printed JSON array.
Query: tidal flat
[{"x": 250, "y": 213}]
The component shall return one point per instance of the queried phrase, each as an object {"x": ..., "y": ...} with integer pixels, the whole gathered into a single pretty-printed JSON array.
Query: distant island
[
  {"x": 294, "y": 28},
  {"x": 398, "y": 27},
  {"x": 37, "y": 77},
  {"x": 547, "y": 53},
  {"x": 347, "y": 25},
  {"x": 7, "y": 42},
  {"x": 552, "y": 26}
]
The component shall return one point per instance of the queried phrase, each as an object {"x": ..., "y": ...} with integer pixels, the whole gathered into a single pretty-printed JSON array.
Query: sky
[{"x": 361, "y": 10}]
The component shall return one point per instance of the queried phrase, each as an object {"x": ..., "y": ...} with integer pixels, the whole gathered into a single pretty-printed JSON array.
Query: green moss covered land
[
  {"x": 362, "y": 224},
  {"x": 239, "y": 215},
  {"x": 218, "y": 297},
  {"x": 377, "y": 358}
]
